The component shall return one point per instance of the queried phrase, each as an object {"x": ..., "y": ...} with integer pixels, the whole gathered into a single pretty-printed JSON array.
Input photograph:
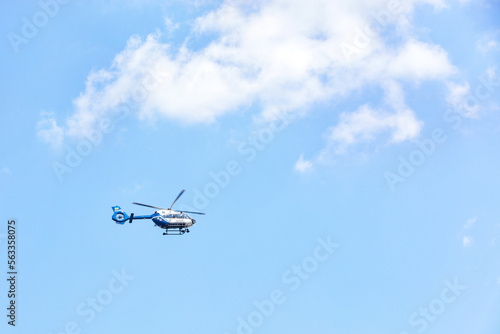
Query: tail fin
[{"x": 119, "y": 216}]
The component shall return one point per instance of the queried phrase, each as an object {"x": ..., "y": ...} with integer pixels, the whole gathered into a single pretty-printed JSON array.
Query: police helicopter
[{"x": 175, "y": 222}]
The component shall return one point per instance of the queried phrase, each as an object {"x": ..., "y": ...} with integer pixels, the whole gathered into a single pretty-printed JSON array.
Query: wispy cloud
[
  {"x": 366, "y": 123},
  {"x": 467, "y": 241},
  {"x": 303, "y": 165},
  {"x": 395, "y": 120},
  {"x": 458, "y": 95},
  {"x": 170, "y": 25},
  {"x": 48, "y": 130},
  {"x": 489, "y": 42},
  {"x": 133, "y": 189},
  {"x": 470, "y": 222}
]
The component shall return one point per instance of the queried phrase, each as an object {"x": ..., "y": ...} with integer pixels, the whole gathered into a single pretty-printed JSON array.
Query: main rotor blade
[
  {"x": 150, "y": 206},
  {"x": 182, "y": 192},
  {"x": 196, "y": 213}
]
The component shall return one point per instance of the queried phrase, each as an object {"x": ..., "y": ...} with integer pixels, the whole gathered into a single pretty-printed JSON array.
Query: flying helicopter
[{"x": 175, "y": 222}]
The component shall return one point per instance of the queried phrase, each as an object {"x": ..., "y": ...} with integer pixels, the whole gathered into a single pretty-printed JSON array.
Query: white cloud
[
  {"x": 470, "y": 222},
  {"x": 491, "y": 72},
  {"x": 282, "y": 55},
  {"x": 420, "y": 61},
  {"x": 48, "y": 130},
  {"x": 462, "y": 100},
  {"x": 467, "y": 241},
  {"x": 366, "y": 123},
  {"x": 6, "y": 170},
  {"x": 170, "y": 25},
  {"x": 303, "y": 165},
  {"x": 489, "y": 42},
  {"x": 132, "y": 189}
]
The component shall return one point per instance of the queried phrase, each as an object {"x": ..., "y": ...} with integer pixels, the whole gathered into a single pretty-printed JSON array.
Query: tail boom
[{"x": 120, "y": 217}]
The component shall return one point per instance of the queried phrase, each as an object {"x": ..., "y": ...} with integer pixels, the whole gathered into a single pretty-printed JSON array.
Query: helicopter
[{"x": 175, "y": 222}]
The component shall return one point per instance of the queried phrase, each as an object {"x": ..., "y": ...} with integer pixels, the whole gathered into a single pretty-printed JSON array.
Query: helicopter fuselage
[{"x": 170, "y": 219}]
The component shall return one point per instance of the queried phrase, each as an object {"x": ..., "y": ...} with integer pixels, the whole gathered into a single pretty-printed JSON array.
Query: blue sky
[{"x": 346, "y": 154}]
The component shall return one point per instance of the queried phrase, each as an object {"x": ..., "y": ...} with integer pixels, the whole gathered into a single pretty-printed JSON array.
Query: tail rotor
[{"x": 119, "y": 216}]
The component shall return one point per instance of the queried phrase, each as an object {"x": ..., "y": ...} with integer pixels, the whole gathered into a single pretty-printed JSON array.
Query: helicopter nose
[{"x": 193, "y": 221}]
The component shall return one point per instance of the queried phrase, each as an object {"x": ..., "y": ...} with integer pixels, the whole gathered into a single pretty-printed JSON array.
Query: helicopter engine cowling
[{"x": 119, "y": 216}]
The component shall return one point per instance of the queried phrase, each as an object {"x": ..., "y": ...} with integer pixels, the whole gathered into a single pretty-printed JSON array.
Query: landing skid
[{"x": 176, "y": 231}]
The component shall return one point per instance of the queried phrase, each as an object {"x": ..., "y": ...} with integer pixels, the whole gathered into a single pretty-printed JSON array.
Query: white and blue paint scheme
[{"x": 174, "y": 222}]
